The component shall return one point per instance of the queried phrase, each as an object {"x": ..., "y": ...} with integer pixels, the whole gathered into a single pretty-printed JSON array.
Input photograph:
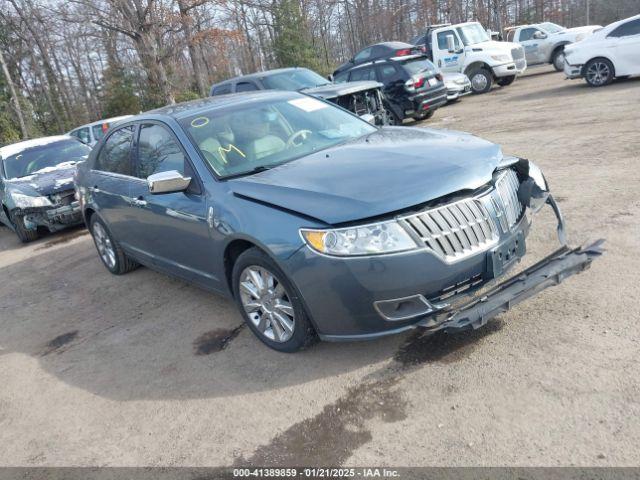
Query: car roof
[
  {"x": 104, "y": 120},
  {"x": 265, "y": 73},
  {"x": 14, "y": 148},
  {"x": 185, "y": 109}
]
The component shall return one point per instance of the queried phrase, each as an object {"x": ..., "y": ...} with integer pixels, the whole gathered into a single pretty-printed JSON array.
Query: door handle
[{"x": 139, "y": 202}]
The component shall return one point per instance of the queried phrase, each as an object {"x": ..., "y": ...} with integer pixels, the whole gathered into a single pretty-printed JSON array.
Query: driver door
[
  {"x": 533, "y": 47},
  {"x": 448, "y": 61},
  {"x": 171, "y": 229}
]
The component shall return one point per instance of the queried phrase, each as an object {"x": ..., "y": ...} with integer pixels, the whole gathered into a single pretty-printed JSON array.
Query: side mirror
[
  {"x": 451, "y": 44},
  {"x": 538, "y": 35},
  {"x": 167, "y": 182},
  {"x": 367, "y": 117},
  {"x": 330, "y": 77}
]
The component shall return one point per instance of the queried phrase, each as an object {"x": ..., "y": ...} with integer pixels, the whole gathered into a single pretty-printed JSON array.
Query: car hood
[
  {"x": 334, "y": 90},
  {"x": 392, "y": 169},
  {"x": 47, "y": 181}
]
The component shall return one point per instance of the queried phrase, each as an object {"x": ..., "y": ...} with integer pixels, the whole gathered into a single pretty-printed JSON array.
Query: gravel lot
[{"x": 104, "y": 370}]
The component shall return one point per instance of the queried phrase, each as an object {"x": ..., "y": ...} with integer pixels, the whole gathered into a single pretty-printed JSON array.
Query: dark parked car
[
  {"x": 36, "y": 185},
  {"x": 377, "y": 52},
  {"x": 316, "y": 222},
  {"x": 413, "y": 86},
  {"x": 365, "y": 98}
]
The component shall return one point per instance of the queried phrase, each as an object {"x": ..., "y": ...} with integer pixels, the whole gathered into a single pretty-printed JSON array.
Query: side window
[
  {"x": 246, "y": 87},
  {"x": 222, "y": 89},
  {"x": 158, "y": 151},
  {"x": 386, "y": 73},
  {"x": 527, "y": 34},
  {"x": 82, "y": 134},
  {"x": 114, "y": 156},
  {"x": 627, "y": 29},
  {"x": 367, "y": 73},
  {"x": 363, "y": 55},
  {"x": 442, "y": 39},
  {"x": 341, "y": 77}
]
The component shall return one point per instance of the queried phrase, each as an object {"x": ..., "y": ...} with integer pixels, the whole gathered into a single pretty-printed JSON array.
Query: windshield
[
  {"x": 472, "y": 34},
  {"x": 294, "y": 80},
  {"x": 32, "y": 160},
  {"x": 551, "y": 27},
  {"x": 418, "y": 65},
  {"x": 249, "y": 137}
]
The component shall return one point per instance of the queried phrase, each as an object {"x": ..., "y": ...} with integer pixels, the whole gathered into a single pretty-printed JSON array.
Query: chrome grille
[
  {"x": 506, "y": 203},
  {"x": 456, "y": 230}
]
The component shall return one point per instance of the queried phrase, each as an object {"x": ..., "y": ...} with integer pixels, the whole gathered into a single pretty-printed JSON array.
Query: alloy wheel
[
  {"x": 104, "y": 245},
  {"x": 598, "y": 73},
  {"x": 267, "y": 303}
]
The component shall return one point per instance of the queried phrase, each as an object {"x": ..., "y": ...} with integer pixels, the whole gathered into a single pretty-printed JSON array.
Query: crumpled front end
[{"x": 62, "y": 211}]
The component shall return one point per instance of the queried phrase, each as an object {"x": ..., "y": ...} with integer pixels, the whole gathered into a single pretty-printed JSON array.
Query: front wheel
[
  {"x": 558, "y": 60},
  {"x": 25, "y": 234},
  {"x": 599, "y": 72},
  {"x": 269, "y": 303},
  {"x": 504, "y": 81},
  {"x": 481, "y": 80}
]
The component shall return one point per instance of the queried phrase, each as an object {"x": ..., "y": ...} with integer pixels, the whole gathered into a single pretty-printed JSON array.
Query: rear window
[
  {"x": 418, "y": 65},
  {"x": 222, "y": 89}
]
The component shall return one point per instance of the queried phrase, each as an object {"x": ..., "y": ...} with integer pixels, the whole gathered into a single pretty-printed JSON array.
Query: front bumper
[
  {"x": 508, "y": 69},
  {"x": 54, "y": 219},
  {"x": 346, "y": 298},
  {"x": 572, "y": 71}
]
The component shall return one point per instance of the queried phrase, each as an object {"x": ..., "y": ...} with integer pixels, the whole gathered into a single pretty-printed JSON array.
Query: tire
[
  {"x": 557, "y": 59},
  {"x": 392, "y": 118},
  {"x": 481, "y": 80},
  {"x": 117, "y": 262},
  {"x": 599, "y": 72},
  {"x": 274, "y": 313},
  {"x": 24, "y": 234},
  {"x": 505, "y": 81}
]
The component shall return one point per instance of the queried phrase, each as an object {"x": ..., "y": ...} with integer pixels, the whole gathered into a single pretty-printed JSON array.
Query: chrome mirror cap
[{"x": 167, "y": 182}]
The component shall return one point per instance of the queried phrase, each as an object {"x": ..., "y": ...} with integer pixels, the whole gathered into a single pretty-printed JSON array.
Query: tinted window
[
  {"x": 363, "y": 55},
  {"x": 246, "y": 87},
  {"x": 222, "y": 89},
  {"x": 387, "y": 72},
  {"x": 294, "y": 79},
  {"x": 627, "y": 29},
  {"x": 158, "y": 151},
  {"x": 527, "y": 34},
  {"x": 99, "y": 131},
  {"x": 114, "y": 156},
  {"x": 442, "y": 40},
  {"x": 418, "y": 65},
  {"x": 419, "y": 40},
  {"x": 341, "y": 77},
  {"x": 362, "y": 74}
]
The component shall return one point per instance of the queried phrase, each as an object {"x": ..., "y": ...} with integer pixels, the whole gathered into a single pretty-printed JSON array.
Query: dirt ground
[{"x": 147, "y": 370}]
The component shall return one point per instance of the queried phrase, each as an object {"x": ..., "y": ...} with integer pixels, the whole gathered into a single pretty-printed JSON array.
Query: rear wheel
[
  {"x": 25, "y": 234},
  {"x": 558, "y": 60},
  {"x": 269, "y": 303},
  {"x": 504, "y": 81},
  {"x": 113, "y": 257},
  {"x": 481, "y": 80},
  {"x": 599, "y": 72},
  {"x": 392, "y": 118}
]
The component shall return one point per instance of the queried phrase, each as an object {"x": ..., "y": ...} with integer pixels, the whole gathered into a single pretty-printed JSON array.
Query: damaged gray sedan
[{"x": 36, "y": 185}]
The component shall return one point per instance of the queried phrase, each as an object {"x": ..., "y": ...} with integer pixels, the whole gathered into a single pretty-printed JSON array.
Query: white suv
[{"x": 613, "y": 52}]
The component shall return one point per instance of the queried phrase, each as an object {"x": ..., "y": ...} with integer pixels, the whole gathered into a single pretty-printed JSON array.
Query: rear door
[
  {"x": 171, "y": 228},
  {"x": 110, "y": 179}
]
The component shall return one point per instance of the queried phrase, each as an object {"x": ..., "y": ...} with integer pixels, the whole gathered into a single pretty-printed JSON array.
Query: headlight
[
  {"x": 25, "y": 201},
  {"x": 538, "y": 177},
  {"x": 374, "y": 239},
  {"x": 461, "y": 81},
  {"x": 501, "y": 58}
]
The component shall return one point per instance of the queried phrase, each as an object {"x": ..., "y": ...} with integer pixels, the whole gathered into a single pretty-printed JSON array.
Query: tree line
[{"x": 65, "y": 63}]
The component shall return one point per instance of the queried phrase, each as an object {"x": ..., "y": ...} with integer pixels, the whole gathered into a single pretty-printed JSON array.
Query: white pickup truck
[
  {"x": 545, "y": 42},
  {"x": 467, "y": 48}
]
